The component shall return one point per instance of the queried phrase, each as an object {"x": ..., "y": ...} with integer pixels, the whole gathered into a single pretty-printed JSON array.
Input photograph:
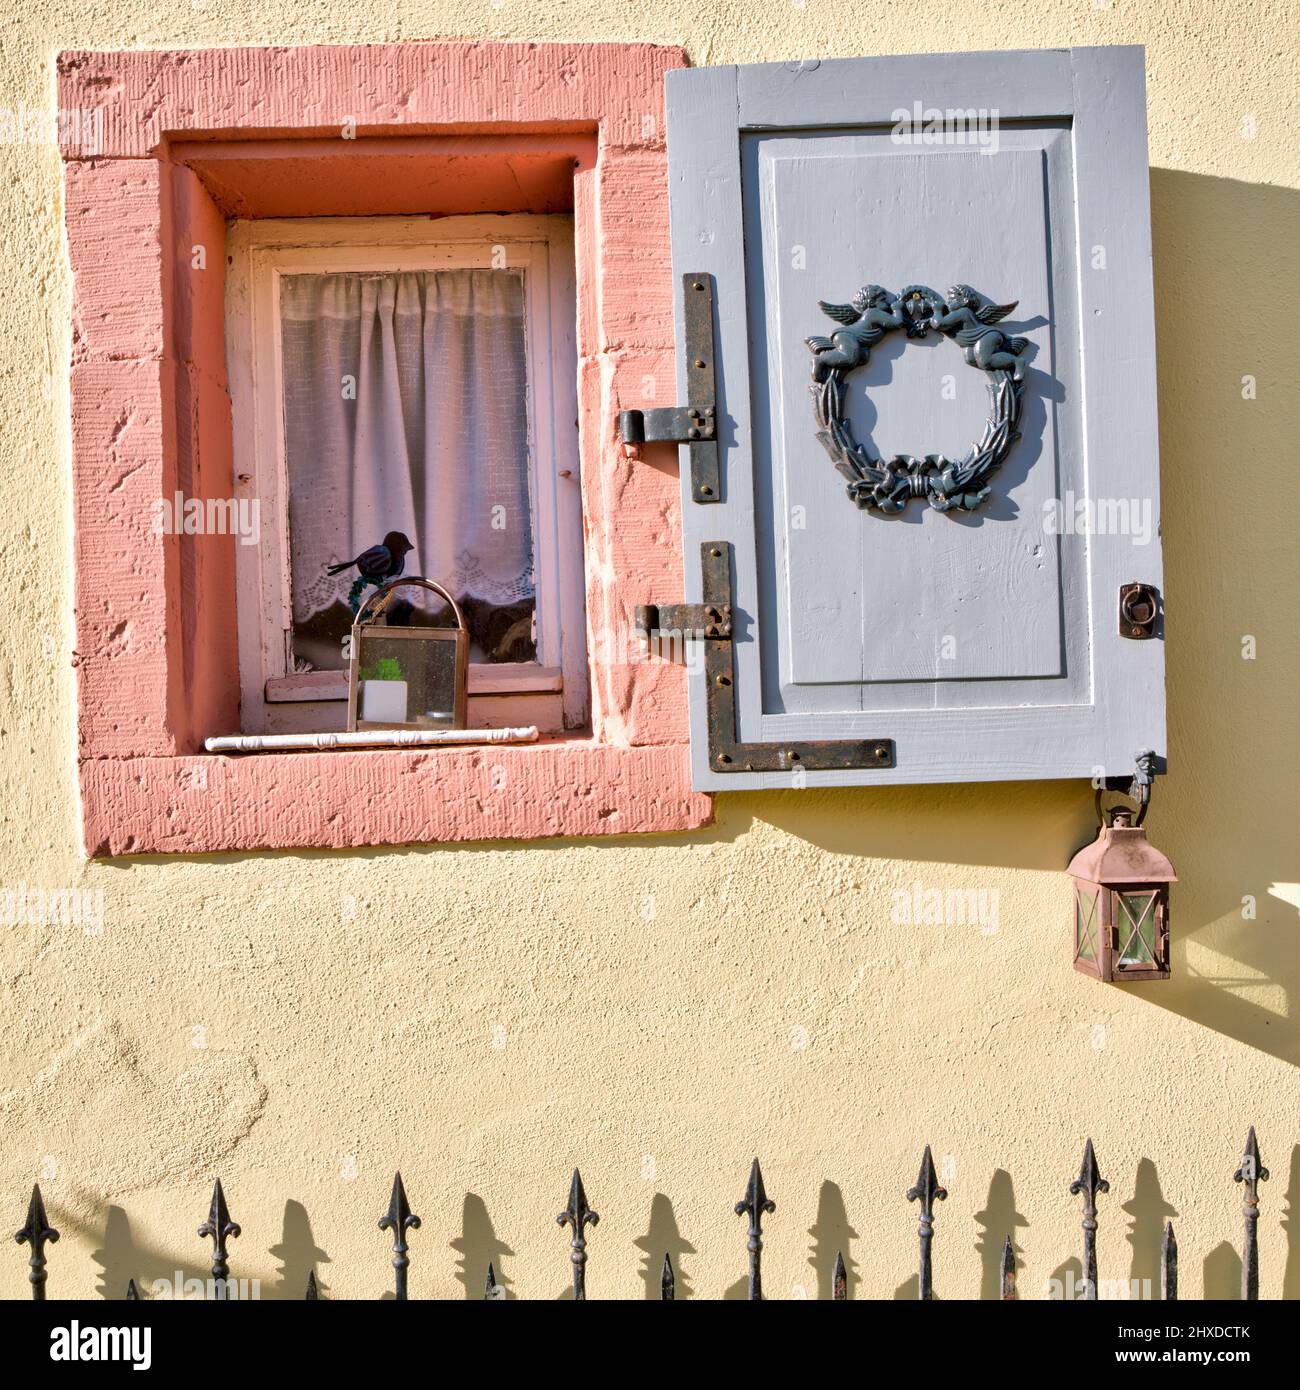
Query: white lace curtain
[{"x": 405, "y": 410}]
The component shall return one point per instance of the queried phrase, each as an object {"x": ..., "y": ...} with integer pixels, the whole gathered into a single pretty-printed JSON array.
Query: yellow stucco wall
[{"x": 660, "y": 1010}]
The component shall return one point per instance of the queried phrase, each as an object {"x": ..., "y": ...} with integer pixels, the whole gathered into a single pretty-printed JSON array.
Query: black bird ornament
[{"x": 377, "y": 565}]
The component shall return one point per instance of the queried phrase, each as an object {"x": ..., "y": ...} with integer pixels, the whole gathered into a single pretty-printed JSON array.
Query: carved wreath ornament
[{"x": 944, "y": 483}]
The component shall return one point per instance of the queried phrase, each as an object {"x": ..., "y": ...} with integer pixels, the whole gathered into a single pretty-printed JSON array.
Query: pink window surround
[{"x": 191, "y": 139}]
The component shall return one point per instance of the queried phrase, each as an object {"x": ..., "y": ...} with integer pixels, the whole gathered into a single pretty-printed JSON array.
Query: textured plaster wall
[{"x": 659, "y": 1010}]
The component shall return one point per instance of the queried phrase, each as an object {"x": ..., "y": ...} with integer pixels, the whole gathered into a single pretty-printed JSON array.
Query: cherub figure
[
  {"x": 873, "y": 312},
  {"x": 971, "y": 324}
]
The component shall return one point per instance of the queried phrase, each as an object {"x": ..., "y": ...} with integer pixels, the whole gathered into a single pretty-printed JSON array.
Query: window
[
  {"x": 415, "y": 377},
  {"x": 165, "y": 343}
]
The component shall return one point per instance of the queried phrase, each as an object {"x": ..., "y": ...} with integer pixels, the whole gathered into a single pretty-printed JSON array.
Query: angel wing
[
  {"x": 841, "y": 313},
  {"x": 994, "y": 313}
]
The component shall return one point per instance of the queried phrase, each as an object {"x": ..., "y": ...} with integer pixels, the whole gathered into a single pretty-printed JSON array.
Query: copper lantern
[
  {"x": 407, "y": 676},
  {"x": 1121, "y": 904}
]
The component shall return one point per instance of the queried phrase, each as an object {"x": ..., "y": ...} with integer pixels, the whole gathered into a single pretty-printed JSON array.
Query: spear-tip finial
[
  {"x": 1169, "y": 1265},
  {"x": 839, "y": 1280},
  {"x": 1090, "y": 1179},
  {"x": 219, "y": 1225},
  {"x": 1251, "y": 1170},
  {"x": 756, "y": 1203},
  {"x": 37, "y": 1230},
  {"x": 399, "y": 1218},
  {"x": 927, "y": 1190},
  {"x": 1008, "y": 1269},
  {"x": 577, "y": 1214}
]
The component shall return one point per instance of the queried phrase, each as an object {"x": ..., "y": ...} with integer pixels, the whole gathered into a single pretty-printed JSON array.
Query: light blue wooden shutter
[{"x": 985, "y": 644}]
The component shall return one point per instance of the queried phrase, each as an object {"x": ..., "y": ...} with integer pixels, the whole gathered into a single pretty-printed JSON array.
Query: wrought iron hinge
[
  {"x": 684, "y": 620},
  {"x": 694, "y": 424},
  {"x": 712, "y": 620}
]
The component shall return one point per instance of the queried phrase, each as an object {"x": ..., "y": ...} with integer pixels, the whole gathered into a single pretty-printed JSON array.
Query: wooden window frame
[{"x": 550, "y": 692}]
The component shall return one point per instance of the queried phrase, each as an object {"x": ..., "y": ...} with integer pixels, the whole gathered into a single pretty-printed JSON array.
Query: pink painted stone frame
[{"x": 156, "y": 636}]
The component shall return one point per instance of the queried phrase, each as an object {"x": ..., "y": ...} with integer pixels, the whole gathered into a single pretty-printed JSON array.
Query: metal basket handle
[{"x": 379, "y": 600}]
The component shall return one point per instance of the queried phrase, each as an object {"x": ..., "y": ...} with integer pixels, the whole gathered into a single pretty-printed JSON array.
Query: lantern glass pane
[
  {"x": 1085, "y": 925},
  {"x": 406, "y": 682},
  {"x": 1136, "y": 925}
]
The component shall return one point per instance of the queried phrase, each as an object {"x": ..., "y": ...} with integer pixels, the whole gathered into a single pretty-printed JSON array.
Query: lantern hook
[{"x": 1137, "y": 788}]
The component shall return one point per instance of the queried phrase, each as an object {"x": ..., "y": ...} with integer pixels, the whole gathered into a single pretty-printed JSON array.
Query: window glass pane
[
  {"x": 1085, "y": 924},
  {"x": 403, "y": 680},
  {"x": 1137, "y": 929},
  {"x": 405, "y": 412}
]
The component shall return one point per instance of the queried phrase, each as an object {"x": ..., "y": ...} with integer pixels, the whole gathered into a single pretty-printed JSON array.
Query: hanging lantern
[
  {"x": 1121, "y": 902},
  {"x": 407, "y": 677}
]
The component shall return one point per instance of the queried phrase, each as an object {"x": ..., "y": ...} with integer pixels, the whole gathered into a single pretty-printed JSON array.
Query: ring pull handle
[{"x": 1139, "y": 607}]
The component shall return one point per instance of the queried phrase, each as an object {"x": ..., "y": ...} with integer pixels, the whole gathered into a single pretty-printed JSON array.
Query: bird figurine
[{"x": 375, "y": 566}]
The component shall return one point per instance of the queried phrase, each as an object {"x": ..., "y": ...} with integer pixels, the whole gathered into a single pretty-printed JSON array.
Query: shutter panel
[{"x": 985, "y": 643}]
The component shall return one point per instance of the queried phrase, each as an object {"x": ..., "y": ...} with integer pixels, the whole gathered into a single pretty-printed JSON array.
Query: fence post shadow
[
  {"x": 1066, "y": 1280},
  {"x": 121, "y": 1259},
  {"x": 832, "y": 1235},
  {"x": 997, "y": 1221},
  {"x": 1291, "y": 1230},
  {"x": 298, "y": 1254},
  {"x": 1222, "y": 1273},
  {"x": 662, "y": 1238},
  {"x": 478, "y": 1245},
  {"x": 1149, "y": 1211}
]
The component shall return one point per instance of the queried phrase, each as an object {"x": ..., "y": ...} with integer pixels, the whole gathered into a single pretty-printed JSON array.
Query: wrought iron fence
[{"x": 578, "y": 1216}]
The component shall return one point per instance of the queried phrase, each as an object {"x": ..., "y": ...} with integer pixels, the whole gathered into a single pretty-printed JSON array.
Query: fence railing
[{"x": 578, "y": 1217}]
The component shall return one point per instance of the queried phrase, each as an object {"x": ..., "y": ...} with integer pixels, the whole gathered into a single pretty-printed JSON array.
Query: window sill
[
  {"x": 207, "y": 804},
  {"x": 505, "y": 678}
]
